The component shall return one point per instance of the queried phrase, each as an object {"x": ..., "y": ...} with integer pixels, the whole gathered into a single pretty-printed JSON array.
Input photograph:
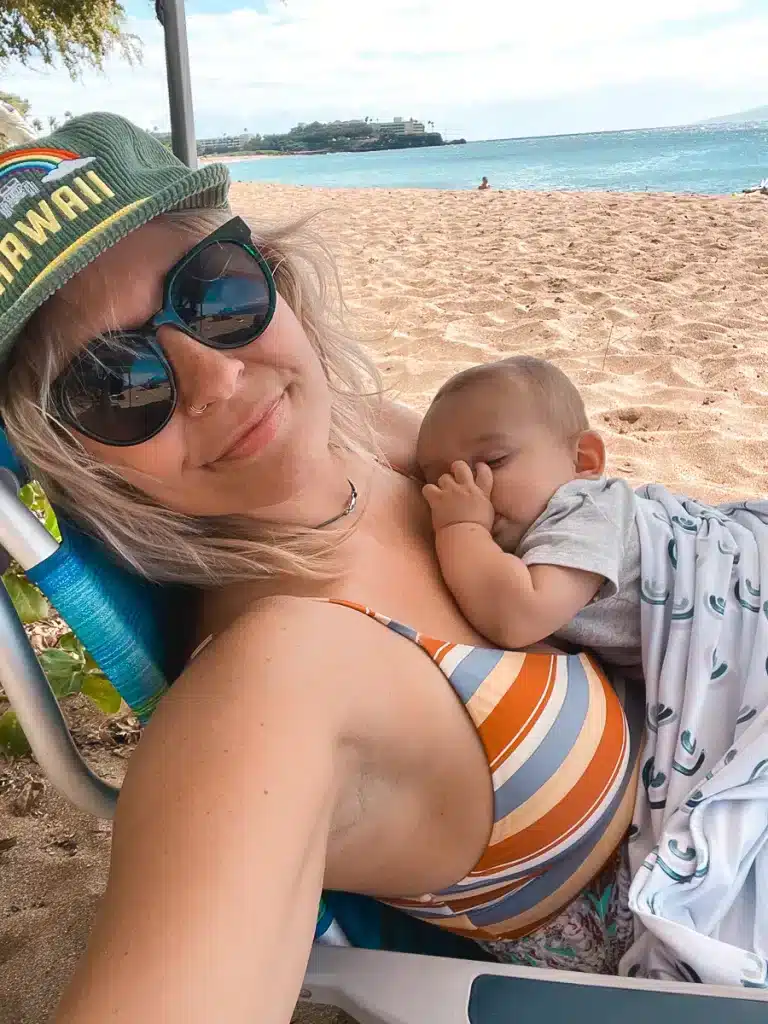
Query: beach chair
[{"x": 369, "y": 959}]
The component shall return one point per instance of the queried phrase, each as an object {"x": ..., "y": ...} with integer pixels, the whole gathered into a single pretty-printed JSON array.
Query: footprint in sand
[
  {"x": 701, "y": 331},
  {"x": 591, "y": 298},
  {"x": 617, "y": 315}
]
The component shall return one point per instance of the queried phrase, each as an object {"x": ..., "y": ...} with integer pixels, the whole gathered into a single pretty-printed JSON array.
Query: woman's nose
[{"x": 203, "y": 375}]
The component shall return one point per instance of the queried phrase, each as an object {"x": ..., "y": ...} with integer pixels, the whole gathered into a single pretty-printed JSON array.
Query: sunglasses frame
[{"x": 234, "y": 232}]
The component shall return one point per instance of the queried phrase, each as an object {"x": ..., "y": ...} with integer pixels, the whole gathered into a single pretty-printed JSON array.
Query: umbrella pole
[{"x": 170, "y": 14}]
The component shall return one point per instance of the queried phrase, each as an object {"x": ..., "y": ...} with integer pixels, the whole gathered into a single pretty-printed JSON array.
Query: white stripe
[
  {"x": 507, "y": 768},
  {"x": 454, "y": 658},
  {"x": 424, "y": 910},
  {"x": 544, "y": 858},
  {"x": 494, "y": 688}
]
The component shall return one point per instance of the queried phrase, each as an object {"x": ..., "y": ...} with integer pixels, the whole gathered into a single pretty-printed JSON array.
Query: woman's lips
[{"x": 258, "y": 436}]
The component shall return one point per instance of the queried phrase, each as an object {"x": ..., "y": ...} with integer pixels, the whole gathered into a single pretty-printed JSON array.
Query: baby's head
[{"x": 526, "y": 420}]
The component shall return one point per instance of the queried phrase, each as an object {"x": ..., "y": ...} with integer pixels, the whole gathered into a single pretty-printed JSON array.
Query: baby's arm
[{"x": 514, "y": 605}]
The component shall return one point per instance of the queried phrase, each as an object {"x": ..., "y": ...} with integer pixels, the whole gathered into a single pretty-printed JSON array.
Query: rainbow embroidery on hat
[
  {"x": 55, "y": 163},
  {"x": 40, "y": 226}
]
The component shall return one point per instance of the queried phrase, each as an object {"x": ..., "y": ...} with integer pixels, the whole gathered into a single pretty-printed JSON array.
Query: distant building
[
  {"x": 224, "y": 144},
  {"x": 397, "y": 126}
]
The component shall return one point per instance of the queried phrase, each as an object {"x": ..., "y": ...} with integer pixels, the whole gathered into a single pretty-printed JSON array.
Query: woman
[{"x": 228, "y": 442}]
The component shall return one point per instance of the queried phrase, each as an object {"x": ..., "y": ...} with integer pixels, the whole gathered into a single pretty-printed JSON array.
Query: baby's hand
[{"x": 458, "y": 497}]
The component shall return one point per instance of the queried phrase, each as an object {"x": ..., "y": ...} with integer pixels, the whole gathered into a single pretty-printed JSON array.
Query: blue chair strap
[
  {"x": 8, "y": 459},
  {"x": 133, "y": 629}
]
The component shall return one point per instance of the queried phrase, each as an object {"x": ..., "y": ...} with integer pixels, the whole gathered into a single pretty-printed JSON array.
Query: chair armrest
[{"x": 400, "y": 988}]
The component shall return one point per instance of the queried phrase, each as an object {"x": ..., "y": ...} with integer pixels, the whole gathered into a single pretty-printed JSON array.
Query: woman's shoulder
[
  {"x": 270, "y": 622},
  {"x": 282, "y": 651},
  {"x": 295, "y": 635}
]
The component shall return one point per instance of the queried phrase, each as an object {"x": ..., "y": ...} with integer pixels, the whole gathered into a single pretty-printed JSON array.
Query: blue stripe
[
  {"x": 473, "y": 670},
  {"x": 556, "y": 872},
  {"x": 553, "y": 749},
  {"x": 406, "y": 631},
  {"x": 584, "y": 846},
  {"x": 635, "y": 711},
  {"x": 537, "y": 890}
]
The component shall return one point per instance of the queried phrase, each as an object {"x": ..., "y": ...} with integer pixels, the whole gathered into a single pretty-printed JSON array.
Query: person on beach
[
  {"x": 483, "y": 184},
  {"x": 534, "y": 541},
  {"x": 252, "y": 464}
]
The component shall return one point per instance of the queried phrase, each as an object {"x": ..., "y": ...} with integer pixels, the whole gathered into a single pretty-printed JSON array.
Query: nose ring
[{"x": 198, "y": 410}]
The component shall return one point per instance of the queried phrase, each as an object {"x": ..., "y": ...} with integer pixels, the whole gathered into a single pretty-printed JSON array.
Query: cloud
[
  {"x": 266, "y": 69},
  {"x": 67, "y": 167}
]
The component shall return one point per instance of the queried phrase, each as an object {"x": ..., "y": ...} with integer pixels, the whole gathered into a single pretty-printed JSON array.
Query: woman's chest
[{"x": 387, "y": 563}]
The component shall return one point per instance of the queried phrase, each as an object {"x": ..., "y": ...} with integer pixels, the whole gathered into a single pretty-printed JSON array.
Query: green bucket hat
[{"x": 67, "y": 197}]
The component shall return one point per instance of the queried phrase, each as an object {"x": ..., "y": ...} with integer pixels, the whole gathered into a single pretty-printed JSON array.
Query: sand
[
  {"x": 234, "y": 158},
  {"x": 655, "y": 305}
]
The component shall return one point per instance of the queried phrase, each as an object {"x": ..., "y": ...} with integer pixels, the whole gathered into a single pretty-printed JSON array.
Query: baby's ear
[{"x": 590, "y": 454}]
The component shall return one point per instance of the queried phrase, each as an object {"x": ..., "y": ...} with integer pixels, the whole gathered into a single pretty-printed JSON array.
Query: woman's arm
[{"x": 221, "y": 835}]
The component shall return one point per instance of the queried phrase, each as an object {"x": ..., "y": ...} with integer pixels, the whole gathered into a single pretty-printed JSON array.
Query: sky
[{"x": 485, "y": 69}]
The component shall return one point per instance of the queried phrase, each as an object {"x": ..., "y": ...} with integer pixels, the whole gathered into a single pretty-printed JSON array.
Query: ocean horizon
[{"x": 701, "y": 159}]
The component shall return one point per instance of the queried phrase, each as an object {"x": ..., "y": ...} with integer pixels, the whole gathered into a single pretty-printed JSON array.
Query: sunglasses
[{"x": 121, "y": 389}]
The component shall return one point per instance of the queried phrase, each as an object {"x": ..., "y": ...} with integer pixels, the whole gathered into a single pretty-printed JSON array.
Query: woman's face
[{"x": 268, "y": 407}]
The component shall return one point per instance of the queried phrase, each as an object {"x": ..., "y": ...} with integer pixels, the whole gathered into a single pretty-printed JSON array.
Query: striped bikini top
[{"x": 561, "y": 743}]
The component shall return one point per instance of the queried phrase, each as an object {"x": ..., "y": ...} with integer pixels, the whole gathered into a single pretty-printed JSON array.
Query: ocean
[{"x": 703, "y": 159}]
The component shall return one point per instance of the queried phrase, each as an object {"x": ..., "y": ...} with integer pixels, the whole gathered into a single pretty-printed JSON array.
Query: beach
[
  {"x": 656, "y": 305},
  {"x": 234, "y": 158}
]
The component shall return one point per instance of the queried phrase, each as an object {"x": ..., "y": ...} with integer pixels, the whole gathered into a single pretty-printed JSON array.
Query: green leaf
[
  {"x": 12, "y": 738},
  {"x": 34, "y": 498},
  {"x": 29, "y": 603},
  {"x": 90, "y": 664},
  {"x": 51, "y": 524},
  {"x": 102, "y": 692},
  {"x": 63, "y": 670},
  {"x": 69, "y": 642}
]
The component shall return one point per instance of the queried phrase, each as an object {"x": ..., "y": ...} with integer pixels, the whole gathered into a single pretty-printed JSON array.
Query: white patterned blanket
[{"x": 699, "y": 841}]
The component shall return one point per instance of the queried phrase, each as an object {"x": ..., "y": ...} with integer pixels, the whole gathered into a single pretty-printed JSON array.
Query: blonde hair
[
  {"x": 551, "y": 393},
  {"x": 162, "y": 544}
]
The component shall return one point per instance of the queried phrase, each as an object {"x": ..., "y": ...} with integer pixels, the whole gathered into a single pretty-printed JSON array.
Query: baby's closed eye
[{"x": 497, "y": 461}]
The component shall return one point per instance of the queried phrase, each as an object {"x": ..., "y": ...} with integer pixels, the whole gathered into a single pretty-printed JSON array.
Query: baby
[{"x": 533, "y": 540}]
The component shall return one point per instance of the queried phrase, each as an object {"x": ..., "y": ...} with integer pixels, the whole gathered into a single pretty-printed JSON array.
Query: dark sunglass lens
[
  {"x": 118, "y": 392},
  {"x": 223, "y": 295}
]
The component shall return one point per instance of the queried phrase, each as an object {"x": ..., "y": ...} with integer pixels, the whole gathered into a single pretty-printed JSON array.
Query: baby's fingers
[
  {"x": 447, "y": 483},
  {"x": 484, "y": 478},
  {"x": 462, "y": 474},
  {"x": 431, "y": 493}
]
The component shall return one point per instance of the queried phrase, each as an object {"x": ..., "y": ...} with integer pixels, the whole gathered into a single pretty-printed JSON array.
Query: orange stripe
[
  {"x": 351, "y": 604},
  {"x": 586, "y": 794},
  {"x": 39, "y": 153},
  {"x": 520, "y": 708},
  {"x": 436, "y": 649}
]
